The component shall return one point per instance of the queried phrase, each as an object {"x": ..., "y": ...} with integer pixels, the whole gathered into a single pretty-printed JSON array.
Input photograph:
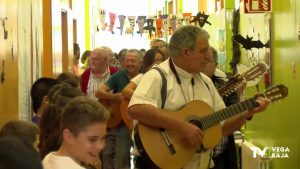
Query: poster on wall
[
  {"x": 257, "y": 6},
  {"x": 222, "y": 61},
  {"x": 221, "y": 40},
  {"x": 222, "y": 49}
]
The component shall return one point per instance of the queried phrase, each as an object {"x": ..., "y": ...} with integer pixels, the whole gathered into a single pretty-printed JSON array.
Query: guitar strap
[{"x": 163, "y": 91}]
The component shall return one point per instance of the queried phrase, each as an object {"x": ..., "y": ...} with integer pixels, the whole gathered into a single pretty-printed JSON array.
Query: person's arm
[
  {"x": 103, "y": 93},
  {"x": 236, "y": 122},
  {"x": 127, "y": 92},
  {"x": 155, "y": 117}
]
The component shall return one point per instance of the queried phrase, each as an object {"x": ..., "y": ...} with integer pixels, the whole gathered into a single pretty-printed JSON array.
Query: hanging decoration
[
  {"x": 150, "y": 26},
  {"x": 3, "y": 71},
  {"x": 187, "y": 17},
  {"x": 236, "y": 52},
  {"x": 112, "y": 18},
  {"x": 201, "y": 18},
  {"x": 102, "y": 15},
  {"x": 141, "y": 21},
  {"x": 121, "y": 21},
  {"x": 162, "y": 26},
  {"x": 132, "y": 24},
  {"x": 248, "y": 43},
  {"x": 159, "y": 24},
  {"x": 165, "y": 22},
  {"x": 172, "y": 24},
  {"x": 179, "y": 21},
  {"x": 4, "y": 29},
  {"x": 12, "y": 46}
]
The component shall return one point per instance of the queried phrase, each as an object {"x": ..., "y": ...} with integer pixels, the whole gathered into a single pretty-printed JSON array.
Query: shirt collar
[{"x": 184, "y": 74}]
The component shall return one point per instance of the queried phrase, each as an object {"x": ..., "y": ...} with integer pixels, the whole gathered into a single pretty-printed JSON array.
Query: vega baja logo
[{"x": 271, "y": 152}]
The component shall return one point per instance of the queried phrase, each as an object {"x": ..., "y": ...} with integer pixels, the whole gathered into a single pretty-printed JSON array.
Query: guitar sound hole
[{"x": 196, "y": 123}]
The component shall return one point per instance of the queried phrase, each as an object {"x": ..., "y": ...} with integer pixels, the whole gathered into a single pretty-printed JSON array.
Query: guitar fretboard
[{"x": 224, "y": 114}]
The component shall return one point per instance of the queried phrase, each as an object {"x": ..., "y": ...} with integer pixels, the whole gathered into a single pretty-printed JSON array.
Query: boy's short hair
[
  {"x": 17, "y": 154},
  {"x": 82, "y": 112},
  {"x": 24, "y": 130},
  {"x": 39, "y": 89},
  {"x": 69, "y": 78},
  {"x": 62, "y": 93}
]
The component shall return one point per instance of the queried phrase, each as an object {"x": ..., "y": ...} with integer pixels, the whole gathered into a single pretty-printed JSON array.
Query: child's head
[
  {"x": 23, "y": 130},
  {"x": 152, "y": 57},
  {"x": 83, "y": 129},
  {"x": 69, "y": 78},
  {"x": 39, "y": 90},
  {"x": 62, "y": 93},
  {"x": 17, "y": 154}
]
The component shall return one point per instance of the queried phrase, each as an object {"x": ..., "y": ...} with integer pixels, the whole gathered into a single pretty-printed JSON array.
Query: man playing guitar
[{"x": 188, "y": 56}]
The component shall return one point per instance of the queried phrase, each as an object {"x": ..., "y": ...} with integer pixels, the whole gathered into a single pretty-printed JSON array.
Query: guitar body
[
  {"x": 115, "y": 116},
  {"x": 150, "y": 142},
  {"x": 124, "y": 113}
]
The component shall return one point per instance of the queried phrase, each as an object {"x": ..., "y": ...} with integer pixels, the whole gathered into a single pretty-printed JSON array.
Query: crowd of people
[{"x": 77, "y": 121}]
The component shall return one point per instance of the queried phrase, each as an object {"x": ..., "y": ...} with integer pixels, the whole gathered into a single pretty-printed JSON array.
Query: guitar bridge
[{"x": 168, "y": 141}]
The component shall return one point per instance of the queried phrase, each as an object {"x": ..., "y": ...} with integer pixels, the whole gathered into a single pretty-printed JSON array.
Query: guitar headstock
[
  {"x": 255, "y": 71},
  {"x": 276, "y": 93},
  {"x": 238, "y": 80},
  {"x": 231, "y": 86}
]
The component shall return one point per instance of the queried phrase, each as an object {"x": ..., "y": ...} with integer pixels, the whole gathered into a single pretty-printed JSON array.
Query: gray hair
[
  {"x": 162, "y": 43},
  {"x": 102, "y": 50},
  {"x": 185, "y": 37},
  {"x": 140, "y": 55}
]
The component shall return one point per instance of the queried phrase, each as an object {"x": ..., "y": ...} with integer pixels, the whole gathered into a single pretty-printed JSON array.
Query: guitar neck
[{"x": 226, "y": 113}]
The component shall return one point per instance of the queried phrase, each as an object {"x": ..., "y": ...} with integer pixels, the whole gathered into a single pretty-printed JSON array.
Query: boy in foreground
[{"x": 83, "y": 129}]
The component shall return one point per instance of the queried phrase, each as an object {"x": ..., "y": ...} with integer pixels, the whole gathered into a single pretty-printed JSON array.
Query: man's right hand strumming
[{"x": 191, "y": 135}]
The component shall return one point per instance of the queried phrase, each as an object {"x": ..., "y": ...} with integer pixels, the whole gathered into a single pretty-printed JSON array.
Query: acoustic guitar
[
  {"x": 124, "y": 113},
  {"x": 233, "y": 84},
  {"x": 115, "y": 116},
  {"x": 165, "y": 149}
]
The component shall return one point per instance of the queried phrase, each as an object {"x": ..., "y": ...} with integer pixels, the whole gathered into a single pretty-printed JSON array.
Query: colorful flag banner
[
  {"x": 165, "y": 23},
  {"x": 159, "y": 24},
  {"x": 187, "y": 17},
  {"x": 150, "y": 26},
  {"x": 180, "y": 21},
  {"x": 112, "y": 18},
  {"x": 173, "y": 22},
  {"x": 102, "y": 14},
  {"x": 141, "y": 21},
  {"x": 131, "y": 20},
  {"x": 122, "y": 21},
  {"x": 201, "y": 18}
]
